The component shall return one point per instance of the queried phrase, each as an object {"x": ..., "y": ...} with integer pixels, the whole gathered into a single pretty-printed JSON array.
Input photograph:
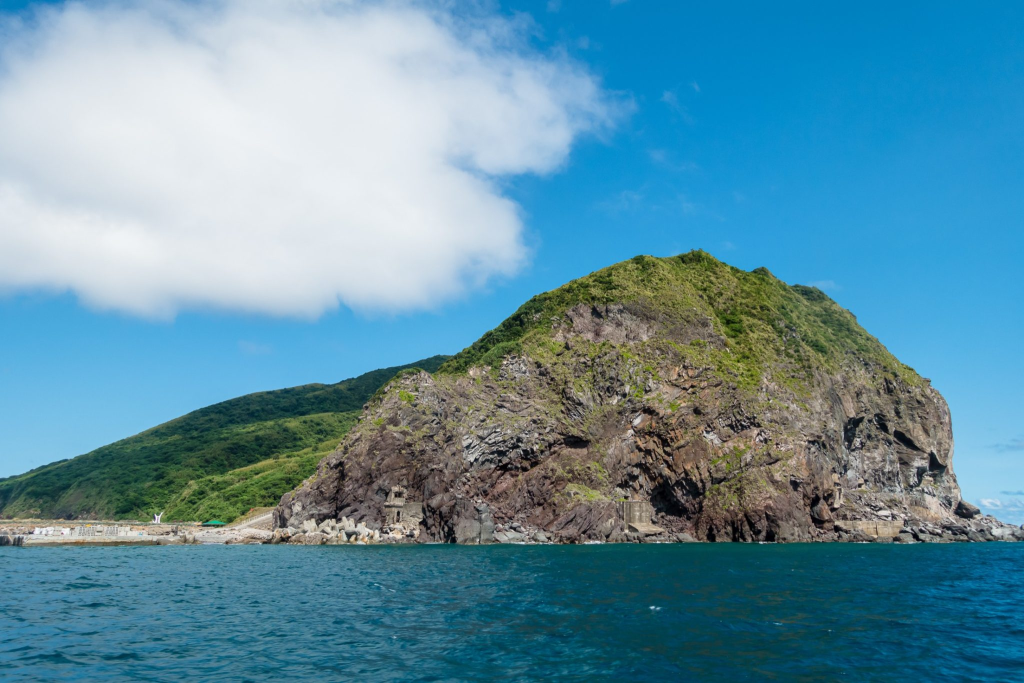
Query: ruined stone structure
[
  {"x": 412, "y": 512},
  {"x": 870, "y": 527},
  {"x": 635, "y": 511},
  {"x": 394, "y": 506},
  {"x": 638, "y": 516}
]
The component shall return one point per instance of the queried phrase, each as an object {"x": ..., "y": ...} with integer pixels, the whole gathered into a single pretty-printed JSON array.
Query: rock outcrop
[{"x": 738, "y": 407}]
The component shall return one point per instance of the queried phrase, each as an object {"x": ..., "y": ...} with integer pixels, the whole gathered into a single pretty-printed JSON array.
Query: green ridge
[
  {"x": 216, "y": 462},
  {"x": 771, "y": 329}
]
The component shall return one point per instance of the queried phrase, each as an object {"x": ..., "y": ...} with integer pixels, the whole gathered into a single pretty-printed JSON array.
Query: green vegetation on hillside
[
  {"x": 770, "y": 328},
  {"x": 242, "y": 453},
  {"x": 230, "y": 495}
]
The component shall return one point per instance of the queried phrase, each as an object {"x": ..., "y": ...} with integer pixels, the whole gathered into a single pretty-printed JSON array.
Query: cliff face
[{"x": 739, "y": 407}]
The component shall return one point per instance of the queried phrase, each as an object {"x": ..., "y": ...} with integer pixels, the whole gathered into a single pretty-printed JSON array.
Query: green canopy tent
[{"x": 214, "y": 522}]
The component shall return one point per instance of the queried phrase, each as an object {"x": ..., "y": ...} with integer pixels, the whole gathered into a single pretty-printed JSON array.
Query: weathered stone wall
[
  {"x": 413, "y": 512},
  {"x": 888, "y": 529},
  {"x": 635, "y": 511}
]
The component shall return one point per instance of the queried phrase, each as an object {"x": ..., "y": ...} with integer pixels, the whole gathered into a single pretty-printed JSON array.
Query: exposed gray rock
[
  {"x": 475, "y": 527},
  {"x": 820, "y": 512},
  {"x": 966, "y": 510},
  {"x": 509, "y": 537}
]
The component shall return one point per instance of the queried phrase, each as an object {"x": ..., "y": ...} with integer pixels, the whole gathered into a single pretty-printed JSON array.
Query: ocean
[{"x": 702, "y": 612}]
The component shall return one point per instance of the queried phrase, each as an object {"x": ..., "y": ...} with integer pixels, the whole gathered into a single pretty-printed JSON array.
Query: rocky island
[{"x": 659, "y": 399}]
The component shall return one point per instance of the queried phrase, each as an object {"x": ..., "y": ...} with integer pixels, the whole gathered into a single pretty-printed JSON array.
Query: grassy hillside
[
  {"x": 215, "y": 462},
  {"x": 229, "y": 495},
  {"x": 770, "y": 328}
]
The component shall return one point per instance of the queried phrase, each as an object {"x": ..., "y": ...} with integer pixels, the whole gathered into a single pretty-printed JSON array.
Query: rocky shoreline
[{"x": 980, "y": 529}]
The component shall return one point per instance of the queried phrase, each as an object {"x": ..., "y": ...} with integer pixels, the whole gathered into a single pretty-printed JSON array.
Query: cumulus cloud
[{"x": 274, "y": 156}]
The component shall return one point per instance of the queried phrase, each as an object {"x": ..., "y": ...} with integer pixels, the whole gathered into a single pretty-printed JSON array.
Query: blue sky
[{"x": 874, "y": 151}]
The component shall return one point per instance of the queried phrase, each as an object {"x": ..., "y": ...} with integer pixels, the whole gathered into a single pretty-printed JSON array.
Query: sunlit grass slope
[{"x": 218, "y": 461}]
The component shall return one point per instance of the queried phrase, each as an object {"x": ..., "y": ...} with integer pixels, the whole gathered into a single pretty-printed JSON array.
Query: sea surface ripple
[{"x": 443, "y": 613}]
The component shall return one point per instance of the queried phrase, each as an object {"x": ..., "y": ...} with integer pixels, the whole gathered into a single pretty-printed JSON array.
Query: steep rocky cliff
[{"x": 739, "y": 407}]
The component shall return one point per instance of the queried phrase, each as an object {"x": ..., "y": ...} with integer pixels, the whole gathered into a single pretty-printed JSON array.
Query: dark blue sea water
[{"x": 443, "y": 613}]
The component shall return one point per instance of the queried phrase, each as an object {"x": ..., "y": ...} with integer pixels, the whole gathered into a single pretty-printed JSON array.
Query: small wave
[
  {"x": 121, "y": 657},
  {"x": 48, "y": 658},
  {"x": 85, "y": 585}
]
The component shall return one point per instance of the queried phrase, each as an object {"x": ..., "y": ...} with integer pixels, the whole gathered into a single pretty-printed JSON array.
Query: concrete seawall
[
  {"x": 37, "y": 541},
  {"x": 51, "y": 533}
]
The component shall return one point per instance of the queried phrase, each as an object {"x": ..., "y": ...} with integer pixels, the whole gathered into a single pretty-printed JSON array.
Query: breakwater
[
  {"x": 51, "y": 533},
  {"x": 101, "y": 534}
]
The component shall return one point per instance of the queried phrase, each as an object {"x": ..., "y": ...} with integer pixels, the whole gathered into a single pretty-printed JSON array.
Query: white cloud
[
  {"x": 626, "y": 200},
  {"x": 662, "y": 157},
  {"x": 1010, "y": 446},
  {"x": 273, "y": 156},
  {"x": 1011, "y": 510},
  {"x": 671, "y": 99},
  {"x": 687, "y": 206},
  {"x": 250, "y": 348}
]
